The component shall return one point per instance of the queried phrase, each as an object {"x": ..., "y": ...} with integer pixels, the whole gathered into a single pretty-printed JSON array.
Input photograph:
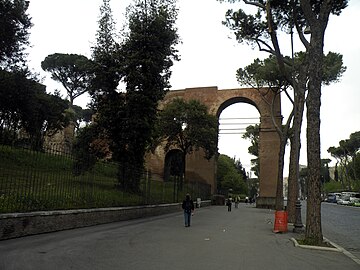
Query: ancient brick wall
[{"x": 217, "y": 100}]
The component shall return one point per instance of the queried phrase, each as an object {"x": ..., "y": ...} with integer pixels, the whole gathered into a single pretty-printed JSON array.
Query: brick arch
[
  {"x": 233, "y": 101},
  {"x": 200, "y": 169}
]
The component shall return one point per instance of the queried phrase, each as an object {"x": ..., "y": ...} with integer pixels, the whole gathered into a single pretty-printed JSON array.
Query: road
[
  {"x": 341, "y": 225},
  {"x": 217, "y": 239}
]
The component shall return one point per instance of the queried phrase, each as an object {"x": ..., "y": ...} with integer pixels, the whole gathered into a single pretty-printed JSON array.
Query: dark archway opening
[{"x": 173, "y": 165}]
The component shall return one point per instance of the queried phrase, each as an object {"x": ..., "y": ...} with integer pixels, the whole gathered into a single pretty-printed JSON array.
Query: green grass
[{"x": 34, "y": 181}]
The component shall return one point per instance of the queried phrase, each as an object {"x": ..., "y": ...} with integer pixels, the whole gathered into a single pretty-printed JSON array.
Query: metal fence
[{"x": 35, "y": 181}]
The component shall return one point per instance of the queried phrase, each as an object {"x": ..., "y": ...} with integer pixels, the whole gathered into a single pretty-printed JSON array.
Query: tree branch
[{"x": 256, "y": 4}]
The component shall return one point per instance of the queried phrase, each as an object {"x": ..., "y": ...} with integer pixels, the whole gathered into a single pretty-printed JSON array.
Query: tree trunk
[
  {"x": 279, "y": 201},
  {"x": 292, "y": 183},
  {"x": 293, "y": 180},
  {"x": 313, "y": 232}
]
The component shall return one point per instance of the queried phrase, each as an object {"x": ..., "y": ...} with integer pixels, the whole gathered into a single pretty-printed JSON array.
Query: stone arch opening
[
  {"x": 173, "y": 164},
  {"x": 233, "y": 101},
  {"x": 234, "y": 119}
]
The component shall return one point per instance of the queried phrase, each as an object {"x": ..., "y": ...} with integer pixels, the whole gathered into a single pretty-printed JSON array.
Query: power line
[
  {"x": 232, "y": 133},
  {"x": 242, "y": 118},
  {"x": 232, "y": 129},
  {"x": 237, "y": 123}
]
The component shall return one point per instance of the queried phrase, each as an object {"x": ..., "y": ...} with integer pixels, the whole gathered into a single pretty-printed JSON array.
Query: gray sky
[{"x": 209, "y": 57}]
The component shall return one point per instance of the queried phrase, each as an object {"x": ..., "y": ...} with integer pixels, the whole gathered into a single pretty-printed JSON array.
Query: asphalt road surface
[
  {"x": 217, "y": 239},
  {"x": 341, "y": 225}
]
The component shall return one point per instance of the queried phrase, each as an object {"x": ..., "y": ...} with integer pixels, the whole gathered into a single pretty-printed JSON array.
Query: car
[
  {"x": 348, "y": 198},
  {"x": 355, "y": 198},
  {"x": 344, "y": 201},
  {"x": 331, "y": 198}
]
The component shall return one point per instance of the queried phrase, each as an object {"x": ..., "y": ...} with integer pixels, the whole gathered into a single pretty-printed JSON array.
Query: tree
[
  {"x": 266, "y": 73},
  {"x": 262, "y": 74},
  {"x": 325, "y": 174},
  {"x": 45, "y": 116},
  {"x": 353, "y": 147},
  {"x": 340, "y": 154},
  {"x": 107, "y": 68},
  {"x": 25, "y": 106},
  {"x": 261, "y": 30},
  {"x": 142, "y": 61},
  {"x": 73, "y": 71},
  {"x": 228, "y": 176},
  {"x": 15, "y": 25},
  {"x": 147, "y": 54},
  {"x": 252, "y": 133},
  {"x": 90, "y": 145},
  {"x": 346, "y": 153},
  {"x": 241, "y": 170},
  {"x": 189, "y": 127}
]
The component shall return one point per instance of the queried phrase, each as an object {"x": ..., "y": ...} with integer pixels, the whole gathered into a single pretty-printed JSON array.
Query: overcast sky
[{"x": 209, "y": 57}]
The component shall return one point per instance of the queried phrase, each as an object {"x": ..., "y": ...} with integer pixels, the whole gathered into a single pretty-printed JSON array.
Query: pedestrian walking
[
  {"x": 237, "y": 200},
  {"x": 229, "y": 203},
  {"x": 188, "y": 207}
]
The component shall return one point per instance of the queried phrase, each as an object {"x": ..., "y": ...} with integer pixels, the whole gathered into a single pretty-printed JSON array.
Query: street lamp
[
  {"x": 183, "y": 126},
  {"x": 298, "y": 225}
]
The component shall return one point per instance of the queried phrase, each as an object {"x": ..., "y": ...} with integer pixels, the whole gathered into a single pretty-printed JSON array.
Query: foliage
[
  {"x": 228, "y": 176},
  {"x": 105, "y": 58},
  {"x": 188, "y": 126},
  {"x": 324, "y": 171},
  {"x": 266, "y": 73},
  {"x": 15, "y": 25},
  {"x": 25, "y": 106},
  {"x": 88, "y": 148},
  {"x": 142, "y": 61},
  {"x": 73, "y": 71},
  {"x": 332, "y": 186},
  {"x": 240, "y": 169},
  {"x": 325, "y": 179},
  {"x": 261, "y": 30},
  {"x": 347, "y": 154},
  {"x": 252, "y": 133},
  {"x": 354, "y": 164}
]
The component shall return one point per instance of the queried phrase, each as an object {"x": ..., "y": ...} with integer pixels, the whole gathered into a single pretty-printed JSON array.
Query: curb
[{"x": 336, "y": 248}]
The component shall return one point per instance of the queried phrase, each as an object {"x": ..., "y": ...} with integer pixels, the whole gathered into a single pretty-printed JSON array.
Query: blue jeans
[{"x": 187, "y": 217}]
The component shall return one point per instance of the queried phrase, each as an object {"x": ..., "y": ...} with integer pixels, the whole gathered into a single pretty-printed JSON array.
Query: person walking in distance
[
  {"x": 229, "y": 203},
  {"x": 188, "y": 207}
]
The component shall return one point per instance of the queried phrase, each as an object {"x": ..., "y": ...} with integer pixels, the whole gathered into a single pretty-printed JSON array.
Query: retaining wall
[{"x": 22, "y": 224}]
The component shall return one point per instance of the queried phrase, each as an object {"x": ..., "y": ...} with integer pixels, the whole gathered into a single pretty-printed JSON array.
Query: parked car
[
  {"x": 331, "y": 198},
  {"x": 355, "y": 198},
  {"x": 348, "y": 198},
  {"x": 344, "y": 201}
]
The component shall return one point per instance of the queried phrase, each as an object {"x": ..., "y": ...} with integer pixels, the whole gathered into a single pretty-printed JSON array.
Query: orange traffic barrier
[{"x": 281, "y": 221}]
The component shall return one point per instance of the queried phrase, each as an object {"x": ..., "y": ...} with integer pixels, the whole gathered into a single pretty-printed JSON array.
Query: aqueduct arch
[{"x": 200, "y": 169}]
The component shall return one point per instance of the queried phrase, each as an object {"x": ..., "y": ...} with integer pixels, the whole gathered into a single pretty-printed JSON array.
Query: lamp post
[
  {"x": 183, "y": 127},
  {"x": 298, "y": 226}
]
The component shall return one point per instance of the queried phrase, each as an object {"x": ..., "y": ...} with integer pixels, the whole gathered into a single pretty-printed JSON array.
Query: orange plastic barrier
[{"x": 281, "y": 221}]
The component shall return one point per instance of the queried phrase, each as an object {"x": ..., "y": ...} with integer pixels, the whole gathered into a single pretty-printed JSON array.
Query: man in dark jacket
[{"x": 188, "y": 206}]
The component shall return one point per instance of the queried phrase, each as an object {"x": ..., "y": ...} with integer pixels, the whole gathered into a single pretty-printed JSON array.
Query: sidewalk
[
  {"x": 217, "y": 240},
  {"x": 243, "y": 239}
]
